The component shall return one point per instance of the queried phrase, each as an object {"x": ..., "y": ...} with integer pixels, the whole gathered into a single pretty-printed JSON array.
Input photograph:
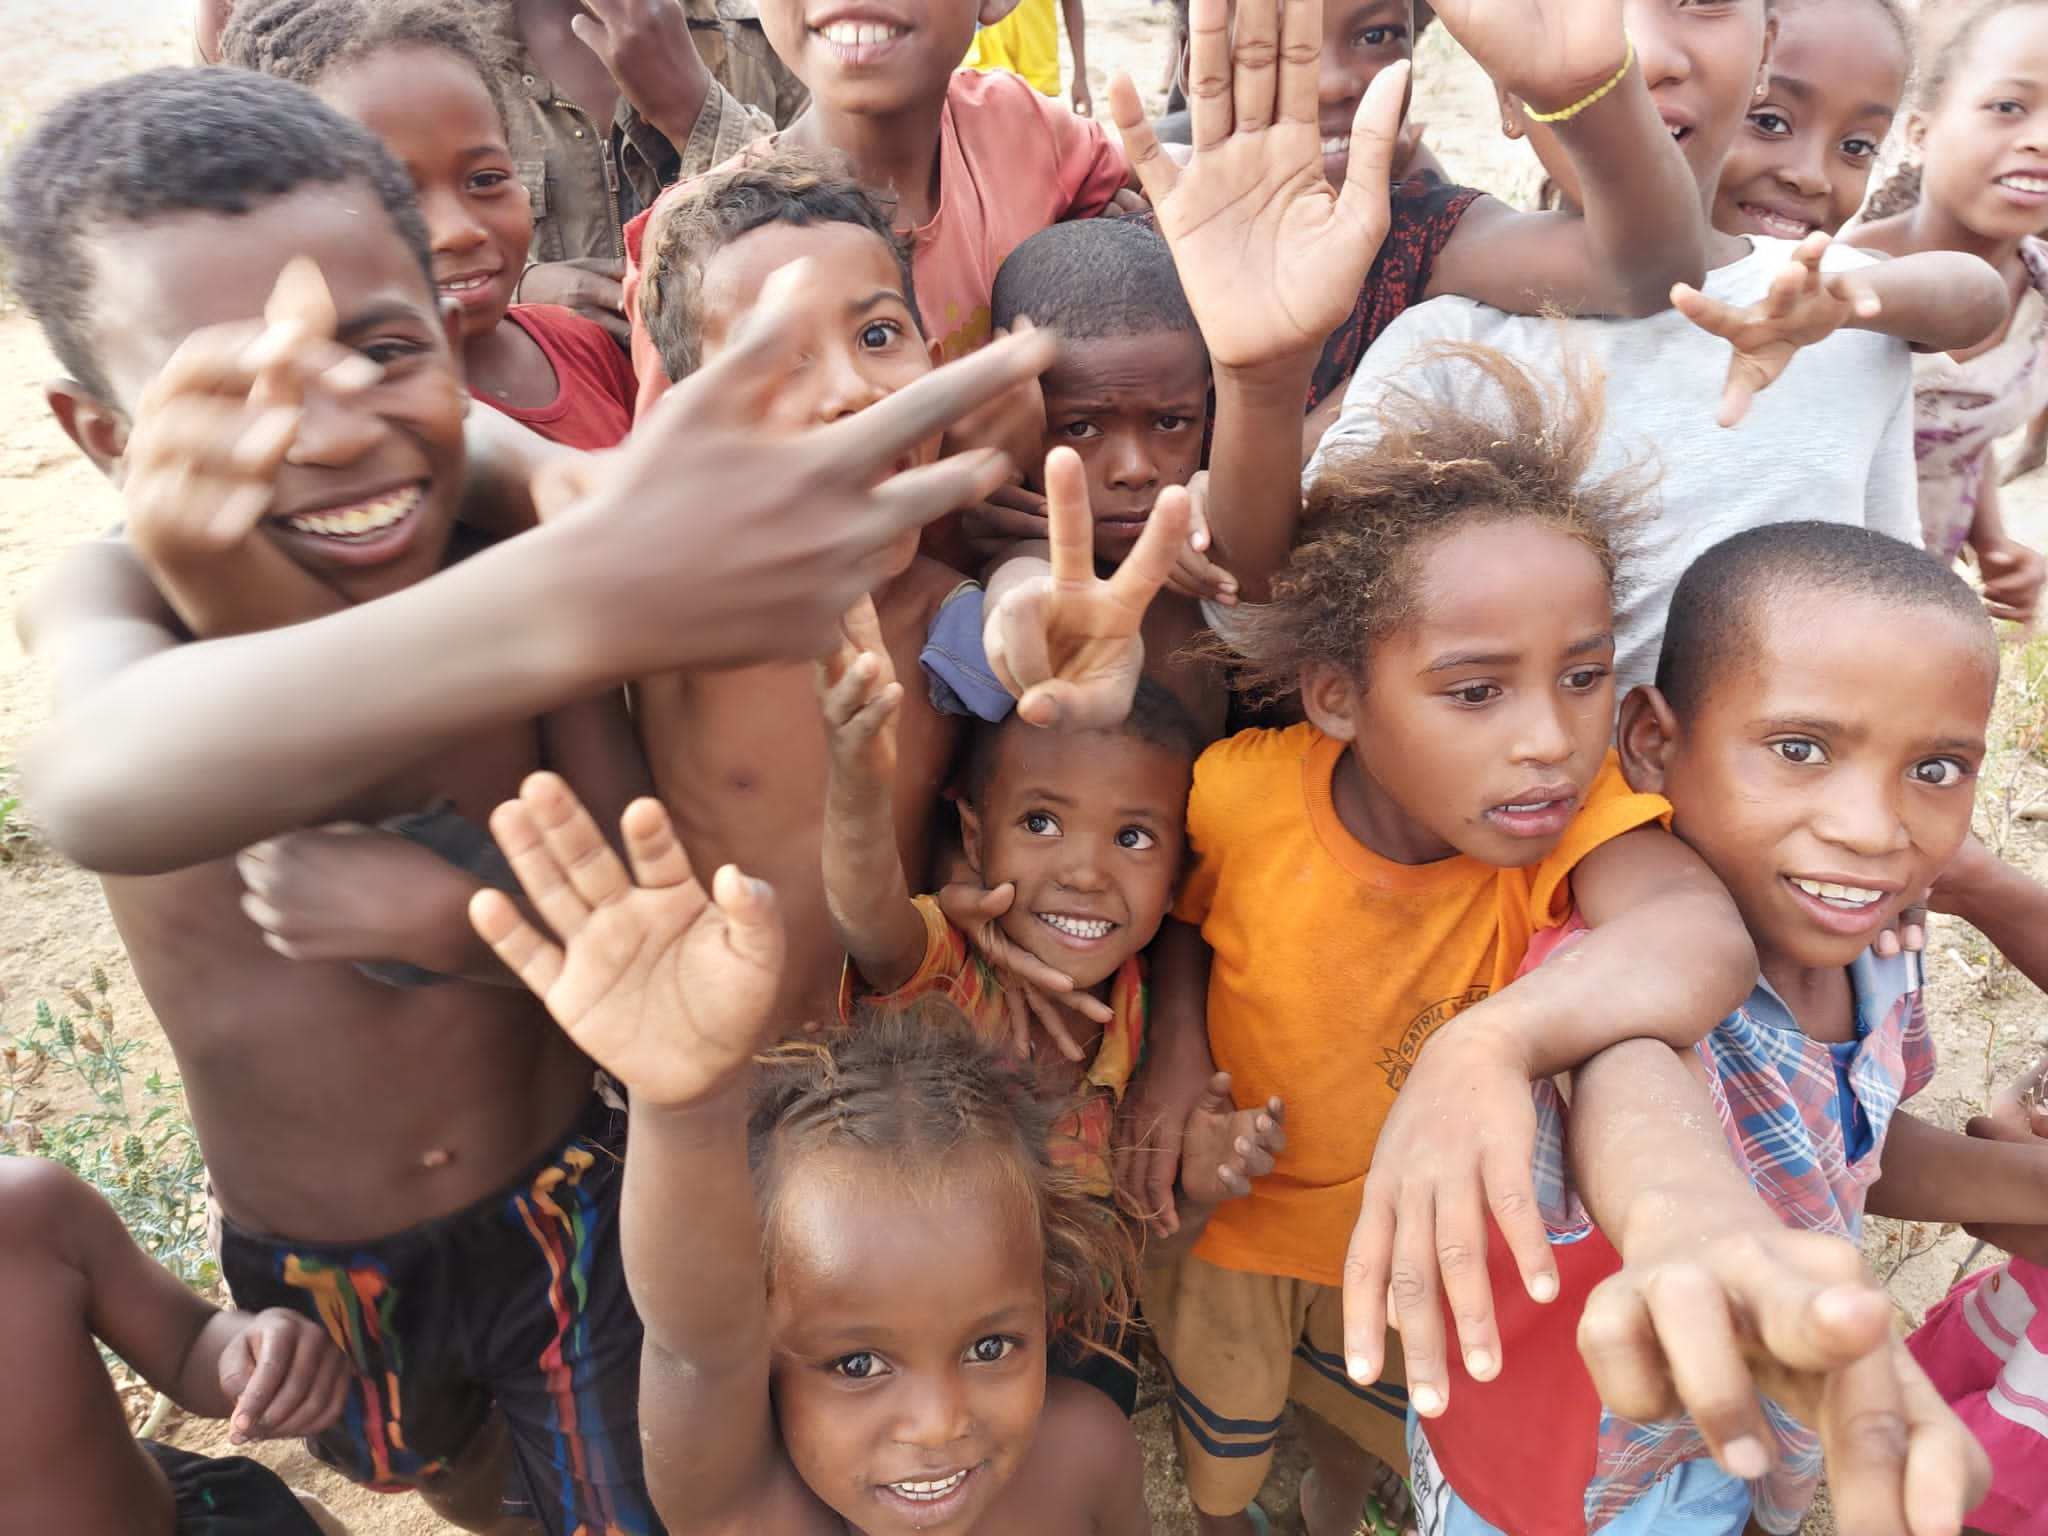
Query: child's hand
[
  {"x": 649, "y": 53},
  {"x": 2011, "y": 575},
  {"x": 593, "y": 286},
  {"x": 1194, "y": 574},
  {"x": 1068, "y": 645},
  {"x": 1546, "y": 53},
  {"x": 1804, "y": 306},
  {"x": 211, "y": 431},
  {"x": 668, "y": 989},
  {"x": 858, "y": 689},
  {"x": 1031, "y": 988},
  {"x": 1223, "y": 1148},
  {"x": 1270, "y": 255},
  {"x": 285, "y": 1376},
  {"x": 1151, "y": 1126},
  {"x": 347, "y": 892},
  {"x": 1009, "y": 515},
  {"x": 1013, "y": 422},
  {"x": 1741, "y": 1307},
  {"x": 1459, "y": 1140}
]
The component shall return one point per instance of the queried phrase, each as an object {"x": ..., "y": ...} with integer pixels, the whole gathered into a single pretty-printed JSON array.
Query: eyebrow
[
  {"x": 1457, "y": 659},
  {"x": 387, "y": 313},
  {"x": 876, "y": 300},
  {"x": 1799, "y": 90},
  {"x": 478, "y": 151}
]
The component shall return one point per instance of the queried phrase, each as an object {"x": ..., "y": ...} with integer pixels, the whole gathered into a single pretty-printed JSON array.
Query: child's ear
[
  {"x": 1647, "y": 735},
  {"x": 100, "y": 431},
  {"x": 970, "y": 832},
  {"x": 1330, "y": 699},
  {"x": 1915, "y": 140},
  {"x": 1763, "y": 65},
  {"x": 935, "y": 349}
]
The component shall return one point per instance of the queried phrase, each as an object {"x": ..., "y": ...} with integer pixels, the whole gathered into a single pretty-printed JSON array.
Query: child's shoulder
[
  {"x": 919, "y": 592},
  {"x": 1254, "y": 763},
  {"x": 1085, "y": 1445}
]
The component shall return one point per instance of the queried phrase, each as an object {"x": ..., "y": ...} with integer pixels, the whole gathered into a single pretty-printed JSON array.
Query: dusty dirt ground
[{"x": 54, "y": 926}]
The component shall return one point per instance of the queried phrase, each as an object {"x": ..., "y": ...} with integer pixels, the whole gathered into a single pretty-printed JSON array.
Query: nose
[
  {"x": 935, "y": 1412},
  {"x": 1660, "y": 50},
  {"x": 335, "y": 432},
  {"x": 451, "y": 227},
  {"x": 1083, "y": 868},
  {"x": 1542, "y": 732},
  {"x": 1129, "y": 466},
  {"x": 1860, "y": 813},
  {"x": 843, "y": 388},
  {"x": 1804, "y": 170},
  {"x": 1337, "y": 83}
]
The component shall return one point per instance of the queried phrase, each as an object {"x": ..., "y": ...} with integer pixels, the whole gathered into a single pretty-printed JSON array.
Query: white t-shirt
[{"x": 1832, "y": 439}]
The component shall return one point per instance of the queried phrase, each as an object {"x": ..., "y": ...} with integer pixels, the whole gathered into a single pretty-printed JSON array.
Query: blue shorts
[{"x": 1695, "y": 1499}]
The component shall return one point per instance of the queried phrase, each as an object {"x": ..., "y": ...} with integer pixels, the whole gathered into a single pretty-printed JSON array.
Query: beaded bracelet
[{"x": 1628, "y": 60}]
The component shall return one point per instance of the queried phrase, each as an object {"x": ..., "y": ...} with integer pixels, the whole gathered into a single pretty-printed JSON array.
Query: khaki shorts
[{"x": 1239, "y": 1349}]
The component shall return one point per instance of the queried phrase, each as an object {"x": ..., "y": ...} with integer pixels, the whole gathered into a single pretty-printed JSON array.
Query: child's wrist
[{"x": 1271, "y": 382}]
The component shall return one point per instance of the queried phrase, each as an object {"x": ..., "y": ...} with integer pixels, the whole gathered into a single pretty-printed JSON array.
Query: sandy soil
[{"x": 55, "y": 926}]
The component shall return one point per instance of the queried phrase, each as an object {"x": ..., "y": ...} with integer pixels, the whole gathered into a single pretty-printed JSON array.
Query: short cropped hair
[
  {"x": 304, "y": 40},
  {"x": 170, "y": 141},
  {"x": 1711, "y": 629},
  {"x": 1157, "y": 718},
  {"x": 1093, "y": 278},
  {"x": 786, "y": 187}
]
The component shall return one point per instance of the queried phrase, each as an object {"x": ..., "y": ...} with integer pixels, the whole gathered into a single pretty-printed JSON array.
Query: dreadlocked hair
[
  {"x": 1901, "y": 190},
  {"x": 303, "y": 40},
  {"x": 915, "y": 1087},
  {"x": 1439, "y": 465}
]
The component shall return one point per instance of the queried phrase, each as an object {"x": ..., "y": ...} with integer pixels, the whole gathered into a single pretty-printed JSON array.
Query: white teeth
[
  {"x": 360, "y": 522},
  {"x": 1534, "y": 805},
  {"x": 1779, "y": 224},
  {"x": 1335, "y": 146},
  {"x": 937, "y": 1490},
  {"x": 2025, "y": 183},
  {"x": 1077, "y": 927},
  {"x": 1850, "y": 898},
  {"x": 465, "y": 284},
  {"x": 855, "y": 34}
]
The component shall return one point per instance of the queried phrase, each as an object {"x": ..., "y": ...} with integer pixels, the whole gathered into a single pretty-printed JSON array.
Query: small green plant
[
  {"x": 13, "y": 830},
  {"x": 134, "y": 1145}
]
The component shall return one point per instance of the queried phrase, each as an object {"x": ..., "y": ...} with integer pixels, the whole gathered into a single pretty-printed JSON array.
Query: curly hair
[
  {"x": 1437, "y": 467},
  {"x": 304, "y": 40},
  {"x": 915, "y": 1086},
  {"x": 785, "y": 187}
]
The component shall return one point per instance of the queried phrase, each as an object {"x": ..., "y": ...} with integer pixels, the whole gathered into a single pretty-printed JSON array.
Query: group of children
[{"x": 1095, "y": 748}]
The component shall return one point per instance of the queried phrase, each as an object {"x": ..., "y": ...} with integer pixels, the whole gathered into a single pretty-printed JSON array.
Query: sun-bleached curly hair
[
  {"x": 915, "y": 1087},
  {"x": 1438, "y": 466}
]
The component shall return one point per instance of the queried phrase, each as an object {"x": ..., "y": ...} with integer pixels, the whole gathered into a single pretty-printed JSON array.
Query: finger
[
  {"x": 1363, "y": 198},
  {"x": 289, "y": 1401},
  {"x": 1689, "y": 1313},
  {"x": 301, "y": 295},
  {"x": 1301, "y": 59},
  {"x": 1017, "y": 1008},
  {"x": 269, "y": 1361},
  {"x": 753, "y": 918},
  {"x": 1157, "y": 171},
  {"x": 1414, "y": 1290},
  {"x": 1071, "y": 520},
  {"x": 1020, "y": 652},
  {"x": 1161, "y": 1175},
  {"x": 652, "y": 847},
  {"x": 1051, "y": 1018},
  {"x": 1254, "y": 62},
  {"x": 262, "y": 913},
  {"x": 1365, "y": 1289},
  {"x": 1618, "y": 1342},
  {"x": 1060, "y": 704},
  {"x": 864, "y": 628},
  {"x": 1806, "y": 1325},
  {"x": 1861, "y": 297},
  {"x": 1947, "y": 1471},
  {"x": 581, "y": 872},
  {"x": 1461, "y": 1263},
  {"x": 863, "y": 445},
  {"x": 1511, "y": 1197},
  {"x": 1863, "y": 1433},
  {"x": 1737, "y": 393},
  {"x": 1210, "y": 111},
  {"x": 518, "y": 945},
  {"x": 1710, "y": 315},
  {"x": 1144, "y": 570},
  {"x": 910, "y": 500}
]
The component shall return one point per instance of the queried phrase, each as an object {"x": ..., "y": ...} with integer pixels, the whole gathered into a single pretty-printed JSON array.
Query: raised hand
[
  {"x": 669, "y": 989},
  {"x": 1194, "y": 574},
  {"x": 1271, "y": 256},
  {"x": 1545, "y": 53},
  {"x": 858, "y": 691},
  {"x": 1068, "y": 644},
  {"x": 646, "y": 46},
  {"x": 285, "y": 1376},
  {"x": 1223, "y": 1148},
  {"x": 1804, "y": 306},
  {"x": 2012, "y": 575}
]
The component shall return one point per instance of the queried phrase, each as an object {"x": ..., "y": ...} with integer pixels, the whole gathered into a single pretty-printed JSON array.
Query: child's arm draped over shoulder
[
  {"x": 1665, "y": 957},
  {"x": 167, "y": 754},
  {"x": 1718, "y": 1300},
  {"x": 671, "y": 989}
]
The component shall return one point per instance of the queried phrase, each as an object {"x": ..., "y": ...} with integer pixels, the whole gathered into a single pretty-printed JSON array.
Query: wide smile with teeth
[
  {"x": 1780, "y": 223},
  {"x": 1843, "y": 898},
  {"x": 926, "y": 1493},
  {"x": 362, "y": 522},
  {"x": 858, "y": 34},
  {"x": 2037, "y": 185},
  {"x": 466, "y": 284},
  {"x": 1078, "y": 927}
]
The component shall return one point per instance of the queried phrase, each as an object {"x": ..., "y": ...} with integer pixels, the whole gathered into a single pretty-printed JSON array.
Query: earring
[{"x": 1758, "y": 93}]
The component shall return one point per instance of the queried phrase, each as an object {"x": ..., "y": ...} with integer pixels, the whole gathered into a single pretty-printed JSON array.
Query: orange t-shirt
[{"x": 1333, "y": 966}]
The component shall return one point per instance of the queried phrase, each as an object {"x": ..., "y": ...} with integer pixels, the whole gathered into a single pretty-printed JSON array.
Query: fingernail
[
  {"x": 1479, "y": 1364},
  {"x": 1362, "y": 1370},
  {"x": 1428, "y": 1401},
  {"x": 1746, "y": 1458},
  {"x": 1544, "y": 1288}
]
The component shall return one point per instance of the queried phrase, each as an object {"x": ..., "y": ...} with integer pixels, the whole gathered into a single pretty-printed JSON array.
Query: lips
[
  {"x": 928, "y": 1492},
  {"x": 2026, "y": 183},
  {"x": 1536, "y": 813},
  {"x": 858, "y": 40},
  {"x": 931, "y": 1501},
  {"x": 365, "y": 532},
  {"x": 1842, "y": 907},
  {"x": 467, "y": 288}
]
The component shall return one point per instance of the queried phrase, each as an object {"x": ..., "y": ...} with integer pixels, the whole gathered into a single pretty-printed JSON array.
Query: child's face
[
  {"x": 1701, "y": 60},
  {"x": 1802, "y": 161},
  {"x": 367, "y": 493},
  {"x": 1360, "y": 38},
  {"x": 1132, "y": 407},
  {"x": 1484, "y": 719},
  {"x": 1829, "y": 779},
  {"x": 1984, "y": 147},
  {"x": 437, "y": 117},
  {"x": 872, "y": 58},
  {"x": 909, "y": 1331},
  {"x": 874, "y": 351},
  {"x": 1089, "y": 827}
]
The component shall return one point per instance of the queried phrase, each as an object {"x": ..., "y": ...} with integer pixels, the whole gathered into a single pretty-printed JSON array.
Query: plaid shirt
[{"x": 1780, "y": 1100}]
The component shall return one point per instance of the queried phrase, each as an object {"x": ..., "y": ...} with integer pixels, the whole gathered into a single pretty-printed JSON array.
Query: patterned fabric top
[{"x": 951, "y": 969}]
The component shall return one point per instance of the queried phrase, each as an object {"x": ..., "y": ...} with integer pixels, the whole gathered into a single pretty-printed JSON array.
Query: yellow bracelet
[{"x": 1628, "y": 60}]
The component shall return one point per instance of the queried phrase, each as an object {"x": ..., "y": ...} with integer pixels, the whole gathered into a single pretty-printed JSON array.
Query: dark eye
[
  {"x": 857, "y": 1367},
  {"x": 1770, "y": 125},
  {"x": 385, "y": 353},
  {"x": 1378, "y": 37},
  {"x": 1940, "y": 772},
  {"x": 1079, "y": 431},
  {"x": 1137, "y": 839},
  {"x": 1174, "y": 423},
  {"x": 489, "y": 181},
  {"x": 1476, "y": 693},
  {"x": 1040, "y": 824},
  {"x": 1584, "y": 679},
  {"x": 991, "y": 1349},
  {"x": 2006, "y": 108},
  {"x": 877, "y": 334},
  {"x": 1798, "y": 749},
  {"x": 1859, "y": 149}
]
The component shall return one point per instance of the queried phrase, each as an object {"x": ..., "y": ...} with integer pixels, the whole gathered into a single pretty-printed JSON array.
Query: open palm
[
  {"x": 1271, "y": 256},
  {"x": 1547, "y": 53},
  {"x": 664, "y": 986}
]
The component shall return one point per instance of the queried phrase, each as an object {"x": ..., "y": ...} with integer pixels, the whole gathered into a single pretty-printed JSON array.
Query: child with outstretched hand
[
  {"x": 849, "y": 1255},
  {"x": 70, "y": 1275}
]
